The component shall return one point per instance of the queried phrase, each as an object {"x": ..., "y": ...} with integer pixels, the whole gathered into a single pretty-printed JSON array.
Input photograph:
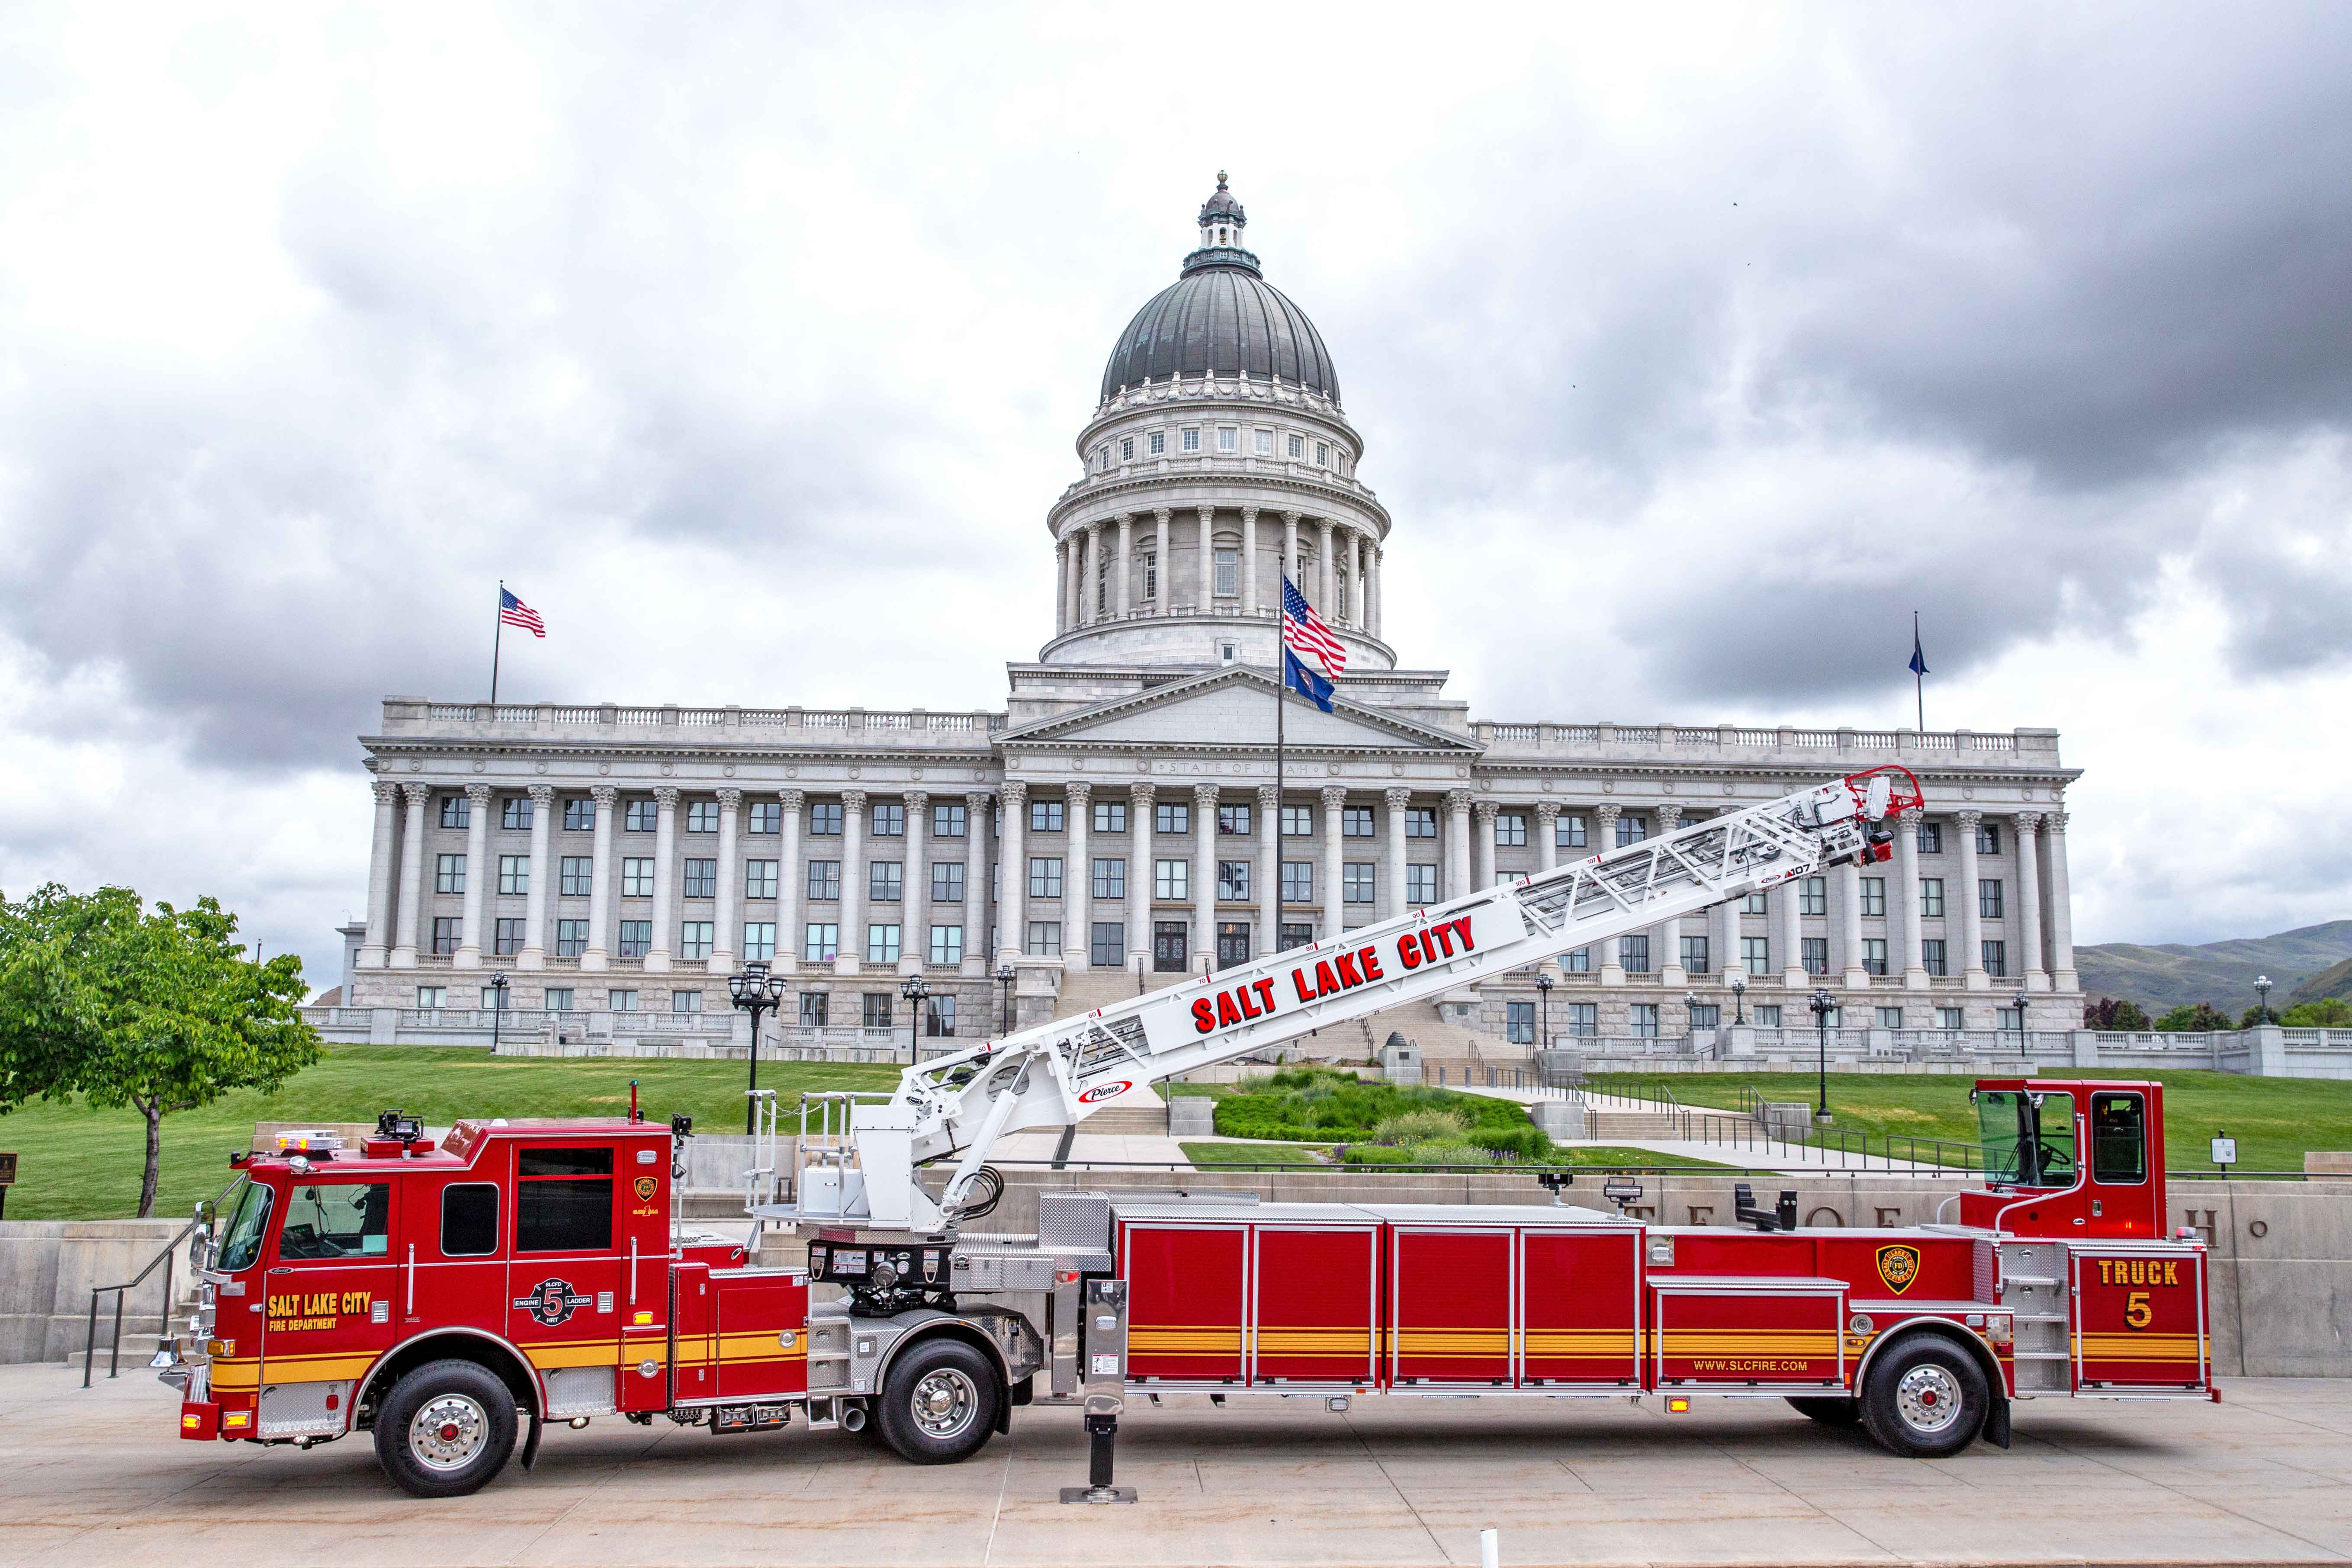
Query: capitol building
[{"x": 601, "y": 870}]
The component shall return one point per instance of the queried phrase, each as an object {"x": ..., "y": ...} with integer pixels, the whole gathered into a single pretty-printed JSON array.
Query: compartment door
[
  {"x": 760, "y": 1323},
  {"x": 2140, "y": 1321},
  {"x": 1579, "y": 1307},
  {"x": 1758, "y": 1338},
  {"x": 1312, "y": 1308},
  {"x": 693, "y": 1358},
  {"x": 1184, "y": 1301},
  {"x": 1451, "y": 1318}
]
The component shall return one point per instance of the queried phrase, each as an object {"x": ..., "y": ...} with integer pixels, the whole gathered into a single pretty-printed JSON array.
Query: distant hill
[
  {"x": 2336, "y": 980},
  {"x": 2223, "y": 972}
]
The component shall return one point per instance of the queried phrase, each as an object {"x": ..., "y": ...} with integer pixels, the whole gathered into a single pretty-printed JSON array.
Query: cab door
[
  {"x": 328, "y": 1302},
  {"x": 563, "y": 1274}
]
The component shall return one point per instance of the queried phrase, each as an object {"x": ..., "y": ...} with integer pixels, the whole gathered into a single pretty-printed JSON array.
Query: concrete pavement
[{"x": 99, "y": 1479}]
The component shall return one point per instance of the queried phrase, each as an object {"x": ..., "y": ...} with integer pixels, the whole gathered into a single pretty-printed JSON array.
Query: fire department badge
[
  {"x": 645, "y": 1185},
  {"x": 1898, "y": 1266},
  {"x": 551, "y": 1301}
]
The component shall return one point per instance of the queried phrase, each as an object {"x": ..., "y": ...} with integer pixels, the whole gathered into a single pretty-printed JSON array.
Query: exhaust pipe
[{"x": 853, "y": 1418}]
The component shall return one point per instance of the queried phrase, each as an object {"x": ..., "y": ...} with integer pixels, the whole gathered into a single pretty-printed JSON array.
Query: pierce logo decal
[
  {"x": 1899, "y": 1267},
  {"x": 551, "y": 1301},
  {"x": 1103, "y": 1092}
]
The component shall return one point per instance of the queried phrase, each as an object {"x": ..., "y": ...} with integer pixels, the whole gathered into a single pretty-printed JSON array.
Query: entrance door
[
  {"x": 1233, "y": 942},
  {"x": 1296, "y": 935},
  {"x": 1170, "y": 947}
]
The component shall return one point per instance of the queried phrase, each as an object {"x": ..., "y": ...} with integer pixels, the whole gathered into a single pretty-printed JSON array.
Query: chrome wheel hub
[
  {"x": 448, "y": 1431},
  {"x": 944, "y": 1403},
  {"x": 1928, "y": 1398}
]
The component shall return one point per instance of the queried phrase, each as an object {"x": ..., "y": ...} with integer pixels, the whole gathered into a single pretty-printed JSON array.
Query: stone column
[
  {"x": 1849, "y": 902},
  {"x": 1138, "y": 862},
  {"x": 1972, "y": 974},
  {"x": 1547, "y": 836},
  {"x": 1483, "y": 872},
  {"x": 479, "y": 874},
  {"x": 412, "y": 877},
  {"x": 1457, "y": 843},
  {"x": 1289, "y": 556},
  {"x": 726, "y": 909},
  {"x": 1078, "y": 879},
  {"x": 1012, "y": 870},
  {"x": 915, "y": 885},
  {"x": 1666, "y": 939},
  {"x": 598, "y": 953},
  {"x": 1379, "y": 558},
  {"x": 1167, "y": 583},
  {"x": 1204, "y": 870},
  {"x": 852, "y": 951},
  {"x": 542, "y": 871},
  {"x": 1351, "y": 566},
  {"x": 789, "y": 885},
  {"x": 375, "y": 944},
  {"x": 1906, "y": 874},
  {"x": 1335, "y": 901},
  {"x": 1249, "y": 562},
  {"x": 1397, "y": 800},
  {"x": 1327, "y": 572},
  {"x": 1122, "y": 572},
  {"x": 2062, "y": 976},
  {"x": 979, "y": 809},
  {"x": 2031, "y": 974},
  {"x": 1269, "y": 869},
  {"x": 1787, "y": 935},
  {"x": 1061, "y": 586},
  {"x": 665, "y": 878},
  {"x": 1207, "y": 568},
  {"x": 1611, "y": 958},
  {"x": 1095, "y": 588}
]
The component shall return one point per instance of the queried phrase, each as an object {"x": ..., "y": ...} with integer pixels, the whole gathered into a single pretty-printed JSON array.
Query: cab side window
[
  {"x": 469, "y": 1219},
  {"x": 328, "y": 1220},
  {"x": 563, "y": 1200},
  {"x": 2118, "y": 1138}
]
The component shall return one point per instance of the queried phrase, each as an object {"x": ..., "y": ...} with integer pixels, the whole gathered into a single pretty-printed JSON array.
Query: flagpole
[
  {"x": 497, "y": 631},
  {"x": 1918, "y": 679}
]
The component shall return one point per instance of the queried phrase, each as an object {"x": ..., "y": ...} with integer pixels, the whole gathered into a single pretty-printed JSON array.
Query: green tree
[
  {"x": 2113, "y": 1013},
  {"x": 157, "y": 1010},
  {"x": 2327, "y": 1013},
  {"x": 2203, "y": 1016}
]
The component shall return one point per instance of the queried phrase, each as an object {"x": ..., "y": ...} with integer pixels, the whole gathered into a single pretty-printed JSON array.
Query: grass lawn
[
  {"x": 2274, "y": 1120},
  {"x": 79, "y": 1163},
  {"x": 1251, "y": 1154}
]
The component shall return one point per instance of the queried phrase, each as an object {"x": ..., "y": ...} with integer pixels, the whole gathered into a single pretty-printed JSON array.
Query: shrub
[{"x": 1420, "y": 1126}]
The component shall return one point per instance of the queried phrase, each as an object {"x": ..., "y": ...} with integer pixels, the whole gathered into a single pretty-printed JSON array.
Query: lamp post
[
  {"x": 1543, "y": 999},
  {"x": 756, "y": 992},
  {"x": 2017, "y": 1000},
  {"x": 1822, "y": 1007},
  {"x": 497, "y": 990},
  {"x": 2262, "y": 989},
  {"x": 1005, "y": 975},
  {"x": 914, "y": 990},
  {"x": 1739, "y": 998}
]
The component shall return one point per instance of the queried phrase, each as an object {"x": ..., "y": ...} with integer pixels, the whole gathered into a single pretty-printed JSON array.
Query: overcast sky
[{"x": 1693, "y": 352}]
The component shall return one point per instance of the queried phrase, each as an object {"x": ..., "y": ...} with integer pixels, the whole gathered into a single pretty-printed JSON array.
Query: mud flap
[
  {"x": 531, "y": 1442},
  {"x": 1996, "y": 1427}
]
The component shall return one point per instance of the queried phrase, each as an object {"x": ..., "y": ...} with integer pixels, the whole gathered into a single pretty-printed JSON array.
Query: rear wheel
[
  {"x": 446, "y": 1429},
  {"x": 1925, "y": 1398},
  {"x": 939, "y": 1402},
  {"x": 1829, "y": 1412}
]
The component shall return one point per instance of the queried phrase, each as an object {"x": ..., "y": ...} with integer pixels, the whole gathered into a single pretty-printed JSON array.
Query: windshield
[
  {"x": 241, "y": 1242},
  {"x": 2024, "y": 1146}
]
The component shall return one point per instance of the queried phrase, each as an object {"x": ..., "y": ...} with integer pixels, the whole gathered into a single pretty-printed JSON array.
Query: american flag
[
  {"x": 515, "y": 613},
  {"x": 1303, "y": 631}
]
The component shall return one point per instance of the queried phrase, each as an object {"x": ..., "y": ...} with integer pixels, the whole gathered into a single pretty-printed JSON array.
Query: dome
[{"x": 1220, "y": 316}]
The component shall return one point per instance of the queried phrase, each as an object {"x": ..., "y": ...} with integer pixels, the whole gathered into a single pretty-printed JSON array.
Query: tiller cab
[{"x": 452, "y": 1299}]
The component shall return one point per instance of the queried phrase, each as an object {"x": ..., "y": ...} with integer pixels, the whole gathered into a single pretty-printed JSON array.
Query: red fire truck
[{"x": 445, "y": 1298}]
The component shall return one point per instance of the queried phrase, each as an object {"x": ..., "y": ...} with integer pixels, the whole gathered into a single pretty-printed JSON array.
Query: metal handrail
[{"x": 205, "y": 1211}]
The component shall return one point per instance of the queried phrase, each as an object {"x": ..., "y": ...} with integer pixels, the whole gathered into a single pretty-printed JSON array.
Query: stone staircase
[{"x": 1620, "y": 1125}]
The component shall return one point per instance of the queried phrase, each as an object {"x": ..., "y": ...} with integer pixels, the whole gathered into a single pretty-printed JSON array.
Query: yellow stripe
[{"x": 546, "y": 1356}]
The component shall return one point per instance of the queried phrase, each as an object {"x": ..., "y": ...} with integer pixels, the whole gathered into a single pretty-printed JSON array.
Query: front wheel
[
  {"x": 1924, "y": 1399},
  {"x": 446, "y": 1429},
  {"x": 938, "y": 1404}
]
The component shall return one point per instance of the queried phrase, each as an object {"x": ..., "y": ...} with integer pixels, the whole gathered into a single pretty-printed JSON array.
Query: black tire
[
  {"x": 1925, "y": 1398},
  {"x": 1829, "y": 1412},
  {"x": 939, "y": 1402},
  {"x": 446, "y": 1429}
]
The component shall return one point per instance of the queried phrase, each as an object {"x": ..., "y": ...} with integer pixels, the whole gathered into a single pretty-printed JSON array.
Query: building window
[
  {"x": 1127, "y": 449},
  {"x": 1813, "y": 896},
  {"x": 884, "y": 881},
  {"x": 432, "y": 998},
  {"x": 456, "y": 811},
  {"x": 1987, "y": 839},
  {"x": 813, "y": 1009},
  {"x": 1705, "y": 1015},
  {"x": 947, "y": 822},
  {"x": 825, "y": 819},
  {"x": 1814, "y": 951},
  {"x": 694, "y": 938},
  {"x": 514, "y": 873},
  {"x": 621, "y": 1000},
  {"x": 1045, "y": 939},
  {"x": 1996, "y": 959},
  {"x": 558, "y": 999},
  {"x": 1931, "y": 839},
  {"x": 505, "y": 937},
  {"x": 1108, "y": 948},
  {"x": 1264, "y": 441},
  {"x": 759, "y": 878},
  {"x": 575, "y": 876},
  {"x": 1233, "y": 820},
  {"x": 1755, "y": 954},
  {"x": 1951, "y": 1018},
  {"x": 1695, "y": 956},
  {"x": 1299, "y": 822},
  {"x": 1567, "y": 832},
  {"x": 1356, "y": 822},
  {"x": 1989, "y": 898},
  {"x": 1172, "y": 879},
  {"x": 1580, "y": 961},
  {"x": 1873, "y": 954},
  {"x": 1297, "y": 445},
  {"x": 1298, "y": 881},
  {"x": 702, "y": 878},
  {"x": 702, "y": 816},
  {"x": 1511, "y": 830},
  {"x": 1931, "y": 955},
  {"x": 1110, "y": 817},
  {"x": 1229, "y": 573},
  {"x": 1189, "y": 438},
  {"x": 449, "y": 874},
  {"x": 1632, "y": 829},
  {"x": 1157, "y": 443},
  {"x": 1519, "y": 1022},
  {"x": 1234, "y": 881},
  {"x": 686, "y": 1001},
  {"x": 1420, "y": 884},
  {"x": 1046, "y": 816},
  {"x": 1045, "y": 876},
  {"x": 825, "y": 879},
  {"x": 886, "y": 821},
  {"x": 820, "y": 942},
  {"x": 579, "y": 815},
  {"x": 1585, "y": 1019},
  {"x": 1767, "y": 1016},
  {"x": 767, "y": 817},
  {"x": 637, "y": 877},
  {"x": 514, "y": 811},
  {"x": 882, "y": 942},
  {"x": 1229, "y": 439},
  {"x": 1753, "y": 904},
  {"x": 1356, "y": 882},
  {"x": 1420, "y": 822},
  {"x": 947, "y": 882},
  {"x": 1890, "y": 1017},
  {"x": 874, "y": 1010},
  {"x": 636, "y": 937},
  {"x": 1322, "y": 454},
  {"x": 760, "y": 939},
  {"x": 1931, "y": 897},
  {"x": 1633, "y": 955},
  {"x": 570, "y": 938},
  {"x": 1645, "y": 1020},
  {"x": 1172, "y": 816},
  {"x": 1150, "y": 575},
  {"x": 946, "y": 945},
  {"x": 641, "y": 816},
  {"x": 1873, "y": 895}
]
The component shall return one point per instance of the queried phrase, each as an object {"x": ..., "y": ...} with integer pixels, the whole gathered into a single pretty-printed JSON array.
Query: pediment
[{"x": 1234, "y": 709}]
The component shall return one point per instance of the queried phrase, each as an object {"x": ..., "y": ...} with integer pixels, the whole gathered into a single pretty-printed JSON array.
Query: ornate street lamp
[
  {"x": 2263, "y": 988},
  {"x": 497, "y": 990},
  {"x": 1005, "y": 975},
  {"x": 2017, "y": 1000},
  {"x": 1740, "y": 997},
  {"x": 914, "y": 989},
  {"x": 756, "y": 992},
  {"x": 1822, "y": 1007},
  {"x": 1543, "y": 999}
]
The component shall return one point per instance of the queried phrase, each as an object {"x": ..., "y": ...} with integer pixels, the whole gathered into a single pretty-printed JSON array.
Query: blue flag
[
  {"x": 1307, "y": 682},
  {"x": 1919, "y": 659}
]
